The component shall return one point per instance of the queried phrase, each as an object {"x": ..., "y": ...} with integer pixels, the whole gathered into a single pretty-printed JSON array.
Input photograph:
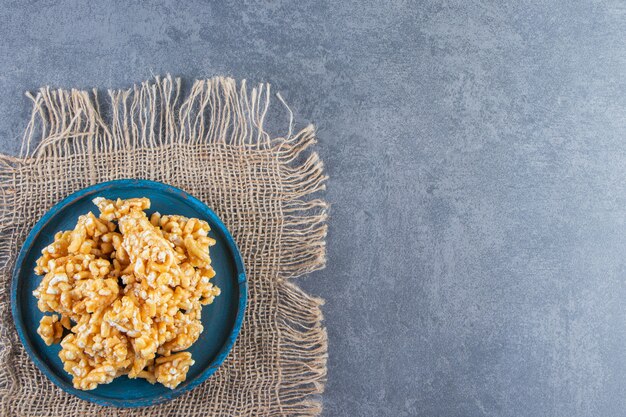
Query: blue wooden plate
[{"x": 221, "y": 320}]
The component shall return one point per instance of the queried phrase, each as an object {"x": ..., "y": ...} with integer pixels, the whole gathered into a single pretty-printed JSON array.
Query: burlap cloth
[{"x": 213, "y": 145}]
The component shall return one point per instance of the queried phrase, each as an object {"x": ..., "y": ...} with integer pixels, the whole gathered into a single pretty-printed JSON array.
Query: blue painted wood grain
[{"x": 222, "y": 319}]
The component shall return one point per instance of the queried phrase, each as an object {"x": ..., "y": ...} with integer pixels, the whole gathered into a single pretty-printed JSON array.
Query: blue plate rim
[{"x": 140, "y": 402}]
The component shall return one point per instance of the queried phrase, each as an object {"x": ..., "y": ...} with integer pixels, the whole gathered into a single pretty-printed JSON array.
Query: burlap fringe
[{"x": 215, "y": 111}]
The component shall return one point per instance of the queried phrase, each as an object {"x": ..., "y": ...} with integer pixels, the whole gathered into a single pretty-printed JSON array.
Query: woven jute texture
[{"x": 212, "y": 144}]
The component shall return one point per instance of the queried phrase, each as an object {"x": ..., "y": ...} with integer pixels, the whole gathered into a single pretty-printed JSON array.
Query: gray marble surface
[{"x": 477, "y": 155}]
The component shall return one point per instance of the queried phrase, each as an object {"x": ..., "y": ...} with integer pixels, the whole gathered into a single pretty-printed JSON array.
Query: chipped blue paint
[{"x": 222, "y": 319}]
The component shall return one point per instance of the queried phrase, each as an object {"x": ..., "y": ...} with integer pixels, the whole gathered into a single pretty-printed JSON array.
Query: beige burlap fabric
[{"x": 213, "y": 145}]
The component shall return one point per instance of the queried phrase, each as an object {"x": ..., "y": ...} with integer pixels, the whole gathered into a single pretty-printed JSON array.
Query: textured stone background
[{"x": 478, "y": 172}]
